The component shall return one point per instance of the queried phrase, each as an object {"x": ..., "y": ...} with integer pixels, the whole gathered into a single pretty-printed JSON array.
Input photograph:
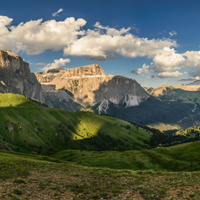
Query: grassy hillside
[
  {"x": 190, "y": 132},
  {"x": 183, "y": 157},
  {"x": 9, "y": 100},
  {"x": 30, "y": 127}
]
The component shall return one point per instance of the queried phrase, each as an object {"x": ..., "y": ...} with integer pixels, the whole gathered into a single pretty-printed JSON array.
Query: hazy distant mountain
[
  {"x": 177, "y": 102},
  {"x": 197, "y": 82},
  {"x": 194, "y": 86}
]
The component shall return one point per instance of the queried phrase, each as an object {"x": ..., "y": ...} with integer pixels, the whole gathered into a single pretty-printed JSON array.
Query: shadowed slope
[
  {"x": 183, "y": 157},
  {"x": 27, "y": 126}
]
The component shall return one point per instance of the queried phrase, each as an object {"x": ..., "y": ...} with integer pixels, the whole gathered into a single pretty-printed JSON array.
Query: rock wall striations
[
  {"x": 15, "y": 76},
  {"x": 90, "y": 85}
]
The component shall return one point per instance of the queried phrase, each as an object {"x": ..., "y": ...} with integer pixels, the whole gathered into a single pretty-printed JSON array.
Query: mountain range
[
  {"x": 88, "y": 85},
  {"x": 88, "y": 88}
]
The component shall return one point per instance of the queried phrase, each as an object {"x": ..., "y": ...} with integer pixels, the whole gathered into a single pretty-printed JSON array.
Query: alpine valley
[
  {"x": 64, "y": 129},
  {"x": 99, "y": 100},
  {"x": 165, "y": 108},
  {"x": 88, "y": 88}
]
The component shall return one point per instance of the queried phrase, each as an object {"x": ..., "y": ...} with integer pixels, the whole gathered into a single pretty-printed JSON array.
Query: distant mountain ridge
[
  {"x": 194, "y": 86},
  {"x": 197, "y": 82},
  {"x": 160, "y": 91}
]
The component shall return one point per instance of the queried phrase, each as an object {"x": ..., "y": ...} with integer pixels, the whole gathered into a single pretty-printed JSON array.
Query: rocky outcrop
[
  {"x": 90, "y": 85},
  {"x": 15, "y": 76},
  {"x": 59, "y": 98},
  {"x": 163, "y": 90},
  {"x": 88, "y": 70},
  {"x": 149, "y": 90}
]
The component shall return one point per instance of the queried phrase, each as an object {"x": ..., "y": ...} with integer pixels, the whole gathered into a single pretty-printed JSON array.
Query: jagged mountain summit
[
  {"x": 15, "y": 76},
  {"x": 160, "y": 91},
  {"x": 89, "y": 85},
  {"x": 59, "y": 98}
]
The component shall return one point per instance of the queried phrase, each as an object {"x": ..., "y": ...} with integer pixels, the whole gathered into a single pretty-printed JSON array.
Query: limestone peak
[
  {"x": 10, "y": 53},
  {"x": 88, "y": 70}
]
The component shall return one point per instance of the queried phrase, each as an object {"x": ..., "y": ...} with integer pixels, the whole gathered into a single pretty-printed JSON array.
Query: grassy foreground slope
[
  {"x": 27, "y": 126},
  {"x": 25, "y": 176},
  {"x": 182, "y": 157}
]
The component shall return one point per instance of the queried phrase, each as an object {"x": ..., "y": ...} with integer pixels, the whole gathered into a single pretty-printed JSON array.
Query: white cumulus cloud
[
  {"x": 144, "y": 69},
  {"x": 97, "y": 44},
  {"x": 4, "y": 22},
  {"x": 167, "y": 59},
  {"x": 56, "y": 64},
  {"x": 56, "y": 13},
  {"x": 168, "y": 75},
  {"x": 192, "y": 58},
  {"x": 35, "y": 36}
]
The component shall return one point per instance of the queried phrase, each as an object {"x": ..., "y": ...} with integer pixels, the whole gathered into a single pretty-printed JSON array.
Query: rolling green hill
[
  {"x": 28, "y": 126},
  {"x": 182, "y": 157},
  {"x": 86, "y": 138}
]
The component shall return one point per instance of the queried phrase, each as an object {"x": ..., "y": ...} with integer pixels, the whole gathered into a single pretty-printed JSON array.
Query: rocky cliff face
[
  {"x": 90, "y": 85},
  {"x": 61, "y": 99},
  {"x": 163, "y": 90},
  {"x": 15, "y": 76}
]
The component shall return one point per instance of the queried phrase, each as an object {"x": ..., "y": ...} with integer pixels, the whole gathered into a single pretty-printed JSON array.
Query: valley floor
[{"x": 41, "y": 179}]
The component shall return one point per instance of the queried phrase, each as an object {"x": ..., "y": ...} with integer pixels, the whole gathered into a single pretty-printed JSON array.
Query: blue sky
[{"x": 152, "y": 41}]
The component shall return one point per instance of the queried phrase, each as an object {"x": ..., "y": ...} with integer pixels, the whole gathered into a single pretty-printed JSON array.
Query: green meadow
[{"x": 58, "y": 154}]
